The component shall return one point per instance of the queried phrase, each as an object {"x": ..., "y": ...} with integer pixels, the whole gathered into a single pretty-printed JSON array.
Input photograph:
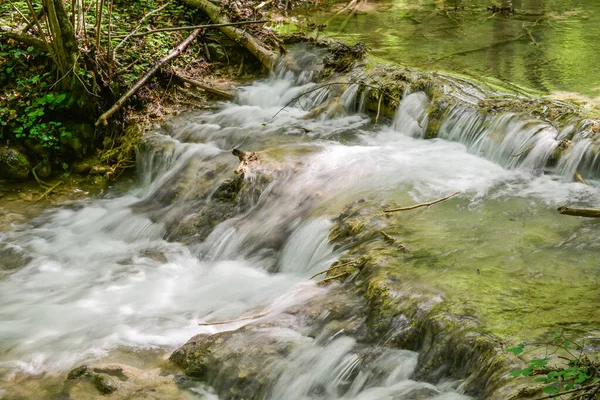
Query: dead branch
[
  {"x": 234, "y": 320},
  {"x": 188, "y": 28},
  {"x": 333, "y": 278},
  {"x": 217, "y": 92},
  {"x": 47, "y": 192},
  {"x": 25, "y": 39},
  {"x": 332, "y": 268},
  {"x": 177, "y": 51},
  {"x": 580, "y": 212},
  {"x": 421, "y": 204},
  {"x": 255, "y": 46}
]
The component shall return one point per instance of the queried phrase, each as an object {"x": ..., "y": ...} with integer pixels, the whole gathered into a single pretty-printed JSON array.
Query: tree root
[{"x": 430, "y": 203}]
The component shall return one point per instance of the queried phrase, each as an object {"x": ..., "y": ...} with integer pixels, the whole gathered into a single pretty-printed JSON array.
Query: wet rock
[
  {"x": 14, "y": 164},
  {"x": 119, "y": 381},
  {"x": 236, "y": 364}
]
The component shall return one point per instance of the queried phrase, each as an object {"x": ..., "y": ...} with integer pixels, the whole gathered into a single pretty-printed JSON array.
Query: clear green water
[{"x": 466, "y": 38}]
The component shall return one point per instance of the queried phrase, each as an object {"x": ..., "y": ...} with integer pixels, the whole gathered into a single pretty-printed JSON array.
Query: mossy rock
[
  {"x": 14, "y": 164},
  {"x": 236, "y": 364}
]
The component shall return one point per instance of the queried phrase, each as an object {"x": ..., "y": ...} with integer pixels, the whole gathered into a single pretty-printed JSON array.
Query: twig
[
  {"x": 234, "y": 320},
  {"x": 47, "y": 192},
  {"x": 177, "y": 51},
  {"x": 422, "y": 204},
  {"x": 189, "y": 28},
  {"x": 333, "y": 277},
  {"x": 332, "y": 268}
]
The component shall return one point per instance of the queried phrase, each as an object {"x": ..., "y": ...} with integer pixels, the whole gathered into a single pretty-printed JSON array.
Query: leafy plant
[{"x": 576, "y": 373}]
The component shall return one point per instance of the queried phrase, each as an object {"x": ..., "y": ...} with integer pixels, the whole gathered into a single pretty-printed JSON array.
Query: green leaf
[
  {"x": 566, "y": 344},
  {"x": 516, "y": 350},
  {"x": 551, "y": 390},
  {"x": 539, "y": 363}
]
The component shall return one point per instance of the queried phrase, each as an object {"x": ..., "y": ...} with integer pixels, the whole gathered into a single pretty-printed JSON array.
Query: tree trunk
[
  {"x": 255, "y": 46},
  {"x": 63, "y": 41}
]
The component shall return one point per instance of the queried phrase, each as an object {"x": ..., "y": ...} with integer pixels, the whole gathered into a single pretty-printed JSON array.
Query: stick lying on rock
[
  {"x": 391, "y": 210},
  {"x": 580, "y": 212}
]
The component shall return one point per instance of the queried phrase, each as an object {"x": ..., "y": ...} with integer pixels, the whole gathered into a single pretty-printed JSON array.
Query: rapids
[{"x": 104, "y": 281}]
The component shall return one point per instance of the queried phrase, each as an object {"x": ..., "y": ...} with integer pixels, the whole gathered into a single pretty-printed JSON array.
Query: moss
[{"x": 14, "y": 164}]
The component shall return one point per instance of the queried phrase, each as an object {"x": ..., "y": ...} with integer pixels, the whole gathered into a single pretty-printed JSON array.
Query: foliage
[
  {"x": 29, "y": 97},
  {"x": 575, "y": 373}
]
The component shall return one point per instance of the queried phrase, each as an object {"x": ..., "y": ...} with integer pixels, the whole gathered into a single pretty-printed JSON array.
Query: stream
[{"x": 119, "y": 278}]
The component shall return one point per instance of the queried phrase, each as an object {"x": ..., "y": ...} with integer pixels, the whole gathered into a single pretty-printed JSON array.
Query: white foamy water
[{"x": 102, "y": 278}]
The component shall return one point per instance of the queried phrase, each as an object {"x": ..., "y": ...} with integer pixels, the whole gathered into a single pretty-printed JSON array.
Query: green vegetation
[{"x": 560, "y": 374}]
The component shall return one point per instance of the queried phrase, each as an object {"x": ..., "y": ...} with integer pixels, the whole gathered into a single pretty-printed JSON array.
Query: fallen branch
[
  {"x": 25, "y": 39},
  {"x": 580, "y": 212},
  {"x": 188, "y": 28},
  {"x": 47, "y": 192},
  {"x": 332, "y": 268},
  {"x": 333, "y": 278},
  {"x": 177, "y": 51},
  {"x": 259, "y": 49},
  {"x": 234, "y": 320},
  {"x": 220, "y": 93},
  {"x": 421, "y": 204}
]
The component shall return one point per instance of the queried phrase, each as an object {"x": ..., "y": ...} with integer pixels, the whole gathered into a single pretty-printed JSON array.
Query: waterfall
[{"x": 508, "y": 139}]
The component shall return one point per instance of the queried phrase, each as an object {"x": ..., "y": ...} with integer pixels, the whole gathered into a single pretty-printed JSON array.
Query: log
[
  {"x": 580, "y": 212},
  {"x": 188, "y": 28},
  {"x": 266, "y": 56},
  {"x": 177, "y": 51}
]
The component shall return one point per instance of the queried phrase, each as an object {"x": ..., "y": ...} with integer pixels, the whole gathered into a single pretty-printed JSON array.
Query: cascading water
[
  {"x": 506, "y": 139},
  {"x": 109, "y": 277}
]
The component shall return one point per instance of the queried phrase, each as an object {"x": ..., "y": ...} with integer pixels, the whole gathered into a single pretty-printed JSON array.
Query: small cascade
[{"x": 507, "y": 139}]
